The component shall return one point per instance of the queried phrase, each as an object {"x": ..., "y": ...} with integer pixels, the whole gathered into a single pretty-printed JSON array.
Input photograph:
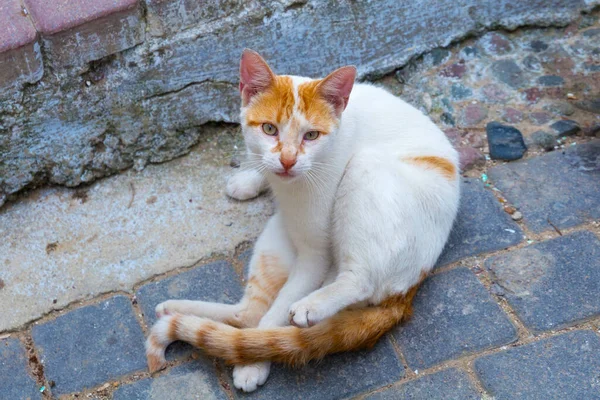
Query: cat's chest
[{"x": 308, "y": 224}]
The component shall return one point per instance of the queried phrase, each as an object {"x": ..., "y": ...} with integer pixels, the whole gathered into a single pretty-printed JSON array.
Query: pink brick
[
  {"x": 78, "y": 31},
  {"x": 20, "y": 58},
  {"x": 59, "y": 15}
]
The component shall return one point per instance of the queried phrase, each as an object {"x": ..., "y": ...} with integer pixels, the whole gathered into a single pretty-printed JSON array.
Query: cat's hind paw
[
  {"x": 249, "y": 377},
  {"x": 162, "y": 309}
]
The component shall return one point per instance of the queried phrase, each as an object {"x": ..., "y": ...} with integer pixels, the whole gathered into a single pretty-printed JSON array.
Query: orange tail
[{"x": 348, "y": 330}]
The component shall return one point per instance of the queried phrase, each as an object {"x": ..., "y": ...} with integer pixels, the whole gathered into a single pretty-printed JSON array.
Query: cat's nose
[{"x": 287, "y": 162}]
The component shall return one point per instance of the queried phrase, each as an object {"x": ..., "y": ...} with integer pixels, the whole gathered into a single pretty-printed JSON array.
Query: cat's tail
[{"x": 347, "y": 330}]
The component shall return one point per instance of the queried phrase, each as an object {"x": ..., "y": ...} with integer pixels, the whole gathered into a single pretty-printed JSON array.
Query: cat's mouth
[{"x": 285, "y": 174}]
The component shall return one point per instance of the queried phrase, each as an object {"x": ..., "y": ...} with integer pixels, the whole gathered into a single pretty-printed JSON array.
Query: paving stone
[
  {"x": 91, "y": 345},
  {"x": 565, "y": 127},
  {"x": 450, "y": 384},
  {"x": 532, "y": 63},
  {"x": 512, "y": 115},
  {"x": 469, "y": 53},
  {"x": 591, "y": 105},
  {"x": 459, "y": 92},
  {"x": 20, "y": 56},
  {"x": 593, "y": 130},
  {"x": 494, "y": 93},
  {"x": 507, "y": 71},
  {"x": 338, "y": 376},
  {"x": 560, "y": 108},
  {"x": 473, "y": 114},
  {"x": 481, "y": 225},
  {"x": 438, "y": 56},
  {"x": 560, "y": 186},
  {"x": 192, "y": 381},
  {"x": 454, "y": 71},
  {"x": 561, "y": 367},
  {"x": 78, "y": 31},
  {"x": 542, "y": 140},
  {"x": 539, "y": 117},
  {"x": 554, "y": 283},
  {"x": 538, "y": 46},
  {"x": 495, "y": 44},
  {"x": 533, "y": 95},
  {"x": 551, "y": 80},
  {"x": 15, "y": 381},
  {"x": 506, "y": 142},
  {"x": 447, "y": 119},
  {"x": 453, "y": 316},
  {"x": 470, "y": 158},
  {"x": 216, "y": 282},
  {"x": 474, "y": 139},
  {"x": 592, "y": 32}
]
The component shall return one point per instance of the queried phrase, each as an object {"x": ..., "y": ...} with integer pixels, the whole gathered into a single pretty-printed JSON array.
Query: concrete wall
[{"x": 147, "y": 101}]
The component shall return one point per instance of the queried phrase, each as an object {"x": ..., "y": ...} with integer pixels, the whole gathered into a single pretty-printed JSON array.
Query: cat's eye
[
  {"x": 312, "y": 135},
  {"x": 269, "y": 129}
]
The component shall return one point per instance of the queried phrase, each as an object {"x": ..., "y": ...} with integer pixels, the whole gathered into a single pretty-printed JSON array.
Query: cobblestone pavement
[{"x": 512, "y": 310}]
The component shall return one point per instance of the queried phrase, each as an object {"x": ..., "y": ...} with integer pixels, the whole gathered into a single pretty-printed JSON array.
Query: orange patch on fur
[
  {"x": 275, "y": 105},
  {"x": 173, "y": 325},
  {"x": 440, "y": 164},
  {"x": 315, "y": 108},
  {"x": 263, "y": 286}
]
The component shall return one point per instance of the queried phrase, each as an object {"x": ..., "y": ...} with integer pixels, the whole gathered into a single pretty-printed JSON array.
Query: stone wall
[{"x": 91, "y": 87}]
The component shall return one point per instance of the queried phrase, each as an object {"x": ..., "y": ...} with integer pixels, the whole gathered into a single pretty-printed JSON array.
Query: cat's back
[{"x": 378, "y": 118}]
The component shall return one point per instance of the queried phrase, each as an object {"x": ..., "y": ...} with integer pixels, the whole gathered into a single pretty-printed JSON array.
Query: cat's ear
[
  {"x": 336, "y": 87},
  {"x": 255, "y": 75}
]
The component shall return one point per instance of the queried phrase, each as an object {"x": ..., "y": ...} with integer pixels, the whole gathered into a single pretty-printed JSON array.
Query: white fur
[
  {"x": 356, "y": 224},
  {"x": 362, "y": 222}
]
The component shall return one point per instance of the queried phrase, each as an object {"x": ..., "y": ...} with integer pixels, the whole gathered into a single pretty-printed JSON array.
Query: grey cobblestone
[
  {"x": 215, "y": 282},
  {"x": 15, "y": 381},
  {"x": 562, "y": 367},
  {"x": 554, "y": 283},
  {"x": 192, "y": 381},
  {"x": 556, "y": 188},
  {"x": 453, "y": 315},
  {"x": 481, "y": 225},
  {"x": 450, "y": 384},
  {"x": 88, "y": 346}
]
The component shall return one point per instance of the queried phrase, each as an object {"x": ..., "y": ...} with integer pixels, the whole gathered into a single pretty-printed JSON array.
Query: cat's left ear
[
  {"x": 255, "y": 75},
  {"x": 336, "y": 87}
]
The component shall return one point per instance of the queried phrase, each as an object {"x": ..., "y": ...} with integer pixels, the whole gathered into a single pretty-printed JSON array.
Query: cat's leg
[
  {"x": 306, "y": 276},
  {"x": 269, "y": 268},
  {"x": 348, "y": 288},
  {"x": 246, "y": 184},
  {"x": 215, "y": 311}
]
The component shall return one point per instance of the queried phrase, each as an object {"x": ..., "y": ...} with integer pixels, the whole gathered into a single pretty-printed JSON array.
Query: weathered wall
[{"x": 85, "y": 120}]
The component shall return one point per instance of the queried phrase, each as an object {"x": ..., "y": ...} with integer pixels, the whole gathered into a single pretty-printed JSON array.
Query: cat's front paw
[
  {"x": 305, "y": 313},
  {"x": 245, "y": 185},
  {"x": 250, "y": 377}
]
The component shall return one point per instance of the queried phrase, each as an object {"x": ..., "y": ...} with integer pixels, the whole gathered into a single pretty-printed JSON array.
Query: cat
[{"x": 367, "y": 189}]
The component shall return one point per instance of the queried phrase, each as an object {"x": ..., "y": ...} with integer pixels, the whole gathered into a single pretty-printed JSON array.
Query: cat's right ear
[{"x": 255, "y": 75}]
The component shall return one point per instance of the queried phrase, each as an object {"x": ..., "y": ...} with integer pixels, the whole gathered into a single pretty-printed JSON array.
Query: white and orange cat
[{"x": 367, "y": 190}]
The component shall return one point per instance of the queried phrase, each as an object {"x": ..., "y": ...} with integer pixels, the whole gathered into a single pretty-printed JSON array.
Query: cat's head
[{"x": 290, "y": 123}]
